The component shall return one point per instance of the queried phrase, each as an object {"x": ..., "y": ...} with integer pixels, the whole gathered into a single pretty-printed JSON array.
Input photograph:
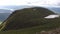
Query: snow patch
[{"x": 51, "y": 16}]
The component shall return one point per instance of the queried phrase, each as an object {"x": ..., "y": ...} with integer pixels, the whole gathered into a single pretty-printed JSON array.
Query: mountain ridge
[
  {"x": 26, "y": 16},
  {"x": 29, "y": 21}
]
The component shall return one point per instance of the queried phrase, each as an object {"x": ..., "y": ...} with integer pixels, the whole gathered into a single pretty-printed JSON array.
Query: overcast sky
[{"x": 30, "y": 2}]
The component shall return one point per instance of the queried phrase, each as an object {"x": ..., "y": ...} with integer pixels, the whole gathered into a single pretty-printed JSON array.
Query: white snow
[{"x": 51, "y": 16}]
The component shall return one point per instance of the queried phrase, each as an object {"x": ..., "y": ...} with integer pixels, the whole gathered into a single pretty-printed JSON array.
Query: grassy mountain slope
[{"x": 29, "y": 21}]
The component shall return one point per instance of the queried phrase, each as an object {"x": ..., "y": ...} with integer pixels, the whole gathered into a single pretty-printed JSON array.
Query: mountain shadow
[{"x": 25, "y": 18}]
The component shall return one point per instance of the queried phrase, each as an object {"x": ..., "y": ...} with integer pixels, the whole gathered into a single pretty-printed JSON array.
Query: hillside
[{"x": 29, "y": 21}]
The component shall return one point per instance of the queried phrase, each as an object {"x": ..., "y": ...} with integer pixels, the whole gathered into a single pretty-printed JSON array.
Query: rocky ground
[{"x": 55, "y": 31}]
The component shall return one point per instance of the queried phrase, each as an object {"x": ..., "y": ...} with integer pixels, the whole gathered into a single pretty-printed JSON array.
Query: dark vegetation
[{"x": 29, "y": 21}]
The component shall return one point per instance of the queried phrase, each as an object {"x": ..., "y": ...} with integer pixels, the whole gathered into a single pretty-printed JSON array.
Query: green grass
[{"x": 31, "y": 30}]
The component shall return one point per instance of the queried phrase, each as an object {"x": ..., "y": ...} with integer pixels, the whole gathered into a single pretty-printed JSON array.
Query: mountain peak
[{"x": 27, "y": 17}]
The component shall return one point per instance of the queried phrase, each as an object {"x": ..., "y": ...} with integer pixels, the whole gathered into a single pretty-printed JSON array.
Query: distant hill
[
  {"x": 16, "y": 7},
  {"x": 55, "y": 9},
  {"x": 5, "y": 11},
  {"x": 27, "y": 17},
  {"x": 4, "y": 16}
]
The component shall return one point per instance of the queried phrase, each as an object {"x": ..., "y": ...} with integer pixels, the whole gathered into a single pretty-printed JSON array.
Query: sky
[{"x": 30, "y": 2}]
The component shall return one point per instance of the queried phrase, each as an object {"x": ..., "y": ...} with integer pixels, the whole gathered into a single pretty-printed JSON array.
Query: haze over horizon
[
  {"x": 30, "y": 2},
  {"x": 6, "y": 4}
]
